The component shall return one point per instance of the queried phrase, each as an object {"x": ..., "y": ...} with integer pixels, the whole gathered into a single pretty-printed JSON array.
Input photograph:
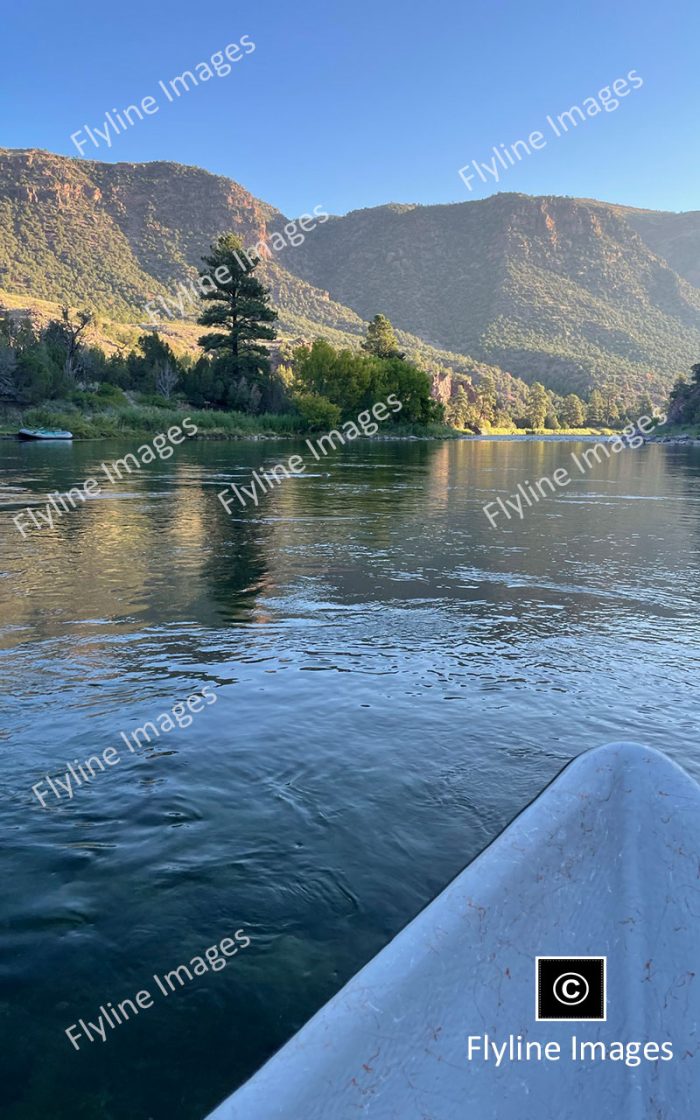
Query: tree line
[
  {"x": 319, "y": 383},
  {"x": 483, "y": 408}
]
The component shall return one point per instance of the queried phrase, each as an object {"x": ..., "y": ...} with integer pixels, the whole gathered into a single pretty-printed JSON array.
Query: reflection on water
[{"x": 395, "y": 679}]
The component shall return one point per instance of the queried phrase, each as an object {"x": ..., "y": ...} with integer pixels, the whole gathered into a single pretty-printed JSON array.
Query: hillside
[
  {"x": 113, "y": 335},
  {"x": 574, "y": 292},
  {"x": 116, "y": 236},
  {"x": 674, "y": 237}
]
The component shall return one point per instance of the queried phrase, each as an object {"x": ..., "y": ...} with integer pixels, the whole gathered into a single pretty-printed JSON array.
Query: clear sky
[{"x": 354, "y": 103}]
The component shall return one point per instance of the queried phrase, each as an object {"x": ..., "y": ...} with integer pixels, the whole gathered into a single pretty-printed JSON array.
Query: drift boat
[
  {"x": 43, "y": 433},
  {"x": 604, "y": 863}
]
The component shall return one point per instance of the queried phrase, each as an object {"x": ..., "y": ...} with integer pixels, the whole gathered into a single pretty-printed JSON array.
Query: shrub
[{"x": 317, "y": 412}]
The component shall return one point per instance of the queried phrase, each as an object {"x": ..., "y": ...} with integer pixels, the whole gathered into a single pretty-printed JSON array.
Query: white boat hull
[{"x": 603, "y": 863}]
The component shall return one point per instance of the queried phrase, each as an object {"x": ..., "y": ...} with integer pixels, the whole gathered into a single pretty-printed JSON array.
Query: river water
[{"x": 394, "y": 678}]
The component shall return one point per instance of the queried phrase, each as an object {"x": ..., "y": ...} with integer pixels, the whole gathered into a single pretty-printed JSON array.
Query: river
[{"x": 394, "y": 679}]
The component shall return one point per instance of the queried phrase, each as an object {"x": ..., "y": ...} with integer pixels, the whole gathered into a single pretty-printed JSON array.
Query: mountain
[
  {"x": 674, "y": 237},
  {"x": 574, "y": 292},
  {"x": 117, "y": 236}
]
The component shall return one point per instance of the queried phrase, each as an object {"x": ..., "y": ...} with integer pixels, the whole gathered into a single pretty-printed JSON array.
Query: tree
[
  {"x": 573, "y": 411},
  {"x": 487, "y": 398},
  {"x": 166, "y": 380},
  {"x": 240, "y": 308},
  {"x": 344, "y": 377},
  {"x": 596, "y": 409},
  {"x": 537, "y": 405},
  {"x": 457, "y": 409},
  {"x": 16, "y": 330},
  {"x": 411, "y": 386},
  {"x": 381, "y": 339},
  {"x": 142, "y": 368},
  {"x": 684, "y": 401},
  {"x": 38, "y": 375},
  {"x": 8, "y": 371},
  {"x": 64, "y": 334},
  {"x": 644, "y": 406},
  {"x": 354, "y": 381}
]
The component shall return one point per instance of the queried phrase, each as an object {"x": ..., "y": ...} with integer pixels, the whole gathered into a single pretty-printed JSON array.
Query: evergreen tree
[
  {"x": 596, "y": 409},
  {"x": 644, "y": 407},
  {"x": 574, "y": 411},
  {"x": 537, "y": 405},
  {"x": 487, "y": 399},
  {"x": 457, "y": 409},
  {"x": 239, "y": 305},
  {"x": 381, "y": 339},
  {"x": 684, "y": 402}
]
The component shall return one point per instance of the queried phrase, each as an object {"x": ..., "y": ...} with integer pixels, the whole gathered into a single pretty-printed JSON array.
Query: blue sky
[{"x": 348, "y": 105}]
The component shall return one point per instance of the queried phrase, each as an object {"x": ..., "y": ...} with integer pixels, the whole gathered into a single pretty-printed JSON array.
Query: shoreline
[
  {"x": 258, "y": 437},
  {"x": 235, "y": 434},
  {"x": 676, "y": 439}
]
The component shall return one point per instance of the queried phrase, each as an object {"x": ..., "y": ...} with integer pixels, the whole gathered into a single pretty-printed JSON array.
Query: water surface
[{"x": 395, "y": 679}]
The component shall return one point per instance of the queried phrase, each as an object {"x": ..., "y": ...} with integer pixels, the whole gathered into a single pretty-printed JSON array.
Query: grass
[
  {"x": 93, "y": 418},
  {"x": 512, "y": 431},
  {"x": 146, "y": 420},
  {"x": 117, "y": 420}
]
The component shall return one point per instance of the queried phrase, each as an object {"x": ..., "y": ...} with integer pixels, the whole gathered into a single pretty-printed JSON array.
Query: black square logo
[{"x": 571, "y": 988}]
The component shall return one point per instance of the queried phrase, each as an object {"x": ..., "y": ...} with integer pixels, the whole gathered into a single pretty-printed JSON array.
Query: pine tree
[
  {"x": 381, "y": 339},
  {"x": 487, "y": 397},
  {"x": 457, "y": 409},
  {"x": 240, "y": 308},
  {"x": 574, "y": 411},
  {"x": 537, "y": 405},
  {"x": 596, "y": 409}
]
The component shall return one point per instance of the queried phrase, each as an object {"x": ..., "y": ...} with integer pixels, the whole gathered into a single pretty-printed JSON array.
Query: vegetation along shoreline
[{"x": 244, "y": 382}]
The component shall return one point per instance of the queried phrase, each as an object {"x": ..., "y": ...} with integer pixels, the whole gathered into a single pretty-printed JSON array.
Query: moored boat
[{"x": 43, "y": 433}]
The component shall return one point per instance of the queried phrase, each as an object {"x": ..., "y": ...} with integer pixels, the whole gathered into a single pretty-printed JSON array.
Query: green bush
[
  {"x": 317, "y": 412},
  {"x": 110, "y": 394},
  {"x": 355, "y": 381}
]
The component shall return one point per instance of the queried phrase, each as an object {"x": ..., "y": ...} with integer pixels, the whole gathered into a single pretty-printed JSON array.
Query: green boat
[{"x": 43, "y": 433}]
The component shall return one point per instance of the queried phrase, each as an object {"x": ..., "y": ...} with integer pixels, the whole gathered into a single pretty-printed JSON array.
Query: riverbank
[
  {"x": 140, "y": 421},
  {"x": 684, "y": 434},
  {"x": 143, "y": 420}
]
